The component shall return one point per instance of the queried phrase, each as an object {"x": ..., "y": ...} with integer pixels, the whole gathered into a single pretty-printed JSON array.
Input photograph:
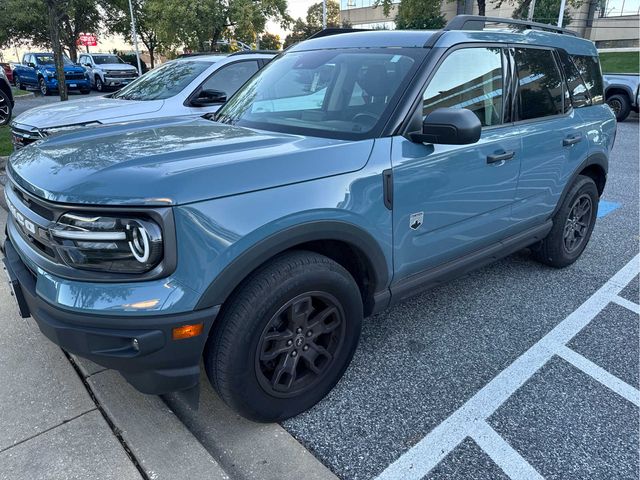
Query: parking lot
[{"x": 514, "y": 371}]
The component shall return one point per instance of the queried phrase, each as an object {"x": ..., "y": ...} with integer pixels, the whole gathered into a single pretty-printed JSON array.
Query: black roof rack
[
  {"x": 245, "y": 52},
  {"x": 327, "y": 32},
  {"x": 477, "y": 22}
]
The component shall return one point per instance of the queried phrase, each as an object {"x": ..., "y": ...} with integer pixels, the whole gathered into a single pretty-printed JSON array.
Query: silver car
[
  {"x": 189, "y": 86},
  {"x": 107, "y": 70}
]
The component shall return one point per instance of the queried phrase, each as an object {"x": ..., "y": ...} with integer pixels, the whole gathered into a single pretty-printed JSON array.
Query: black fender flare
[
  {"x": 359, "y": 239},
  {"x": 599, "y": 159},
  {"x": 625, "y": 88}
]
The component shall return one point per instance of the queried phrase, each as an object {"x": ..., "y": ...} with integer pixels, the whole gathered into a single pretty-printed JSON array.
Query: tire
[
  {"x": 86, "y": 91},
  {"x": 556, "y": 249},
  {"x": 254, "y": 339},
  {"x": 5, "y": 108},
  {"x": 19, "y": 84},
  {"x": 42, "y": 85},
  {"x": 99, "y": 84},
  {"x": 620, "y": 105}
]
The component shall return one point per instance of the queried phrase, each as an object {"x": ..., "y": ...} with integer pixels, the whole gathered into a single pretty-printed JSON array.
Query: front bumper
[
  {"x": 78, "y": 84},
  {"x": 156, "y": 365},
  {"x": 118, "y": 81}
]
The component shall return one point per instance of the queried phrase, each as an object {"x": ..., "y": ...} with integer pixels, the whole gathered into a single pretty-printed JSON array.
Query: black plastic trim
[
  {"x": 414, "y": 284},
  {"x": 597, "y": 159},
  {"x": 478, "y": 22},
  {"x": 261, "y": 252},
  {"x": 387, "y": 185}
]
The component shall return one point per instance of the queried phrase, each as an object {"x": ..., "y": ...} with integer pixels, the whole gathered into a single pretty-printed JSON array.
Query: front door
[{"x": 449, "y": 200}]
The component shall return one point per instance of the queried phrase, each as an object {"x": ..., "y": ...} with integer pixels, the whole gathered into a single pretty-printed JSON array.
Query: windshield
[
  {"x": 105, "y": 59},
  {"x": 163, "y": 82},
  {"x": 47, "y": 59},
  {"x": 337, "y": 93}
]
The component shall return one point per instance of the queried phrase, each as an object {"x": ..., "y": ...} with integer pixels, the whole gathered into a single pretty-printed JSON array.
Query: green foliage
[
  {"x": 546, "y": 11},
  {"x": 5, "y": 141},
  {"x": 130, "y": 58},
  {"x": 420, "y": 15},
  {"x": 26, "y": 22},
  {"x": 270, "y": 41},
  {"x": 302, "y": 30}
]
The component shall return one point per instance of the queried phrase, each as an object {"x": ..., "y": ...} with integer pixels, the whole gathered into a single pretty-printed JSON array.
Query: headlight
[
  {"x": 51, "y": 74},
  {"x": 108, "y": 244}
]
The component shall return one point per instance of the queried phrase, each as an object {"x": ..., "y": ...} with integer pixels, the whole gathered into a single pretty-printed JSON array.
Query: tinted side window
[
  {"x": 468, "y": 78},
  {"x": 539, "y": 83},
  {"x": 230, "y": 78},
  {"x": 577, "y": 90},
  {"x": 589, "y": 68}
]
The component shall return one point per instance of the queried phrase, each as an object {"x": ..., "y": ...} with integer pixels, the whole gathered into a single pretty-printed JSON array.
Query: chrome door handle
[
  {"x": 571, "y": 140},
  {"x": 499, "y": 157}
]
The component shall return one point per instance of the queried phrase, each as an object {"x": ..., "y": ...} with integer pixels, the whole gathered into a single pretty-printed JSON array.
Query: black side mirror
[
  {"x": 449, "y": 126},
  {"x": 31, "y": 64},
  {"x": 209, "y": 97}
]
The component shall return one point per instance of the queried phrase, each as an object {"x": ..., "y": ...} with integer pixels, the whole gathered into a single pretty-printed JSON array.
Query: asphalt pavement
[{"x": 420, "y": 362}]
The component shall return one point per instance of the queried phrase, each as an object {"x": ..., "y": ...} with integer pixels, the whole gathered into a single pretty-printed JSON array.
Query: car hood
[
  {"x": 86, "y": 110},
  {"x": 177, "y": 161},
  {"x": 117, "y": 66}
]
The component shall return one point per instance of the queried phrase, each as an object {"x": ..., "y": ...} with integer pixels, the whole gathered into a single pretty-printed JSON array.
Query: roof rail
[
  {"x": 246, "y": 52},
  {"x": 327, "y": 32},
  {"x": 477, "y": 22}
]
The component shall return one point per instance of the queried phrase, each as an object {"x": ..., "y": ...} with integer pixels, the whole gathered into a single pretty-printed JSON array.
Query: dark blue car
[
  {"x": 38, "y": 70},
  {"x": 353, "y": 171}
]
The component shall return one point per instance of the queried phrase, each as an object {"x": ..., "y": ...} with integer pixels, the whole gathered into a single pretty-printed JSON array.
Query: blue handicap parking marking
[{"x": 605, "y": 207}]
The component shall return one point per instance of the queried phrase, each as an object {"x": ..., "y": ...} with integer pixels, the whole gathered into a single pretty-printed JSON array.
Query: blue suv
[{"x": 352, "y": 172}]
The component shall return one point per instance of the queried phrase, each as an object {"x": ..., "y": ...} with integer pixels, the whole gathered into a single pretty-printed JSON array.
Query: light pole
[
  {"x": 532, "y": 7},
  {"x": 135, "y": 38},
  {"x": 561, "y": 13},
  {"x": 324, "y": 14}
]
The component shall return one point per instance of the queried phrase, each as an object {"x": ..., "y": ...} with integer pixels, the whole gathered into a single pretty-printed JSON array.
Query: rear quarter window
[
  {"x": 577, "y": 90},
  {"x": 589, "y": 68}
]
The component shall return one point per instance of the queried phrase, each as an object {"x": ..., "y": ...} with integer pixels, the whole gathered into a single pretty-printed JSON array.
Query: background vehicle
[
  {"x": 352, "y": 172},
  {"x": 6, "y": 99},
  {"x": 38, "y": 70},
  {"x": 8, "y": 71},
  {"x": 621, "y": 91},
  {"x": 191, "y": 86},
  {"x": 107, "y": 70}
]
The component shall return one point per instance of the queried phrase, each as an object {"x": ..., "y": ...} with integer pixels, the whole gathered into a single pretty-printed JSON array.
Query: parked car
[
  {"x": 190, "y": 86},
  {"x": 38, "y": 70},
  {"x": 6, "y": 99},
  {"x": 621, "y": 91},
  {"x": 262, "y": 239},
  {"x": 8, "y": 71},
  {"x": 107, "y": 70}
]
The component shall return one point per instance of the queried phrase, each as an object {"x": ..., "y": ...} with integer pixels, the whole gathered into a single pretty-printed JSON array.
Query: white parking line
[
  {"x": 600, "y": 374},
  {"x": 464, "y": 422},
  {"x": 503, "y": 454},
  {"x": 634, "y": 307}
]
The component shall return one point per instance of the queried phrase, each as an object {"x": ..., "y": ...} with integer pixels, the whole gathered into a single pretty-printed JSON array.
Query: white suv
[
  {"x": 189, "y": 86},
  {"x": 107, "y": 70}
]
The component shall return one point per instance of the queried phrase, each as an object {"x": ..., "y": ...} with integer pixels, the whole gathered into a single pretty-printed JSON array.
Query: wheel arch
[
  {"x": 347, "y": 244},
  {"x": 618, "y": 90},
  {"x": 595, "y": 167}
]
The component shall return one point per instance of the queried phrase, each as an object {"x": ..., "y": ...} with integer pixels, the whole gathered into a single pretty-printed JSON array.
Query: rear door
[
  {"x": 552, "y": 139},
  {"x": 449, "y": 200}
]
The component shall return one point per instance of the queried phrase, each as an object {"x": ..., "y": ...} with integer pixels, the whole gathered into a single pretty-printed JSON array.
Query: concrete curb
[{"x": 24, "y": 97}]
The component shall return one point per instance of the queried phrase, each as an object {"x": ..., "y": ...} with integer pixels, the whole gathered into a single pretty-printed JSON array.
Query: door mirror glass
[
  {"x": 31, "y": 64},
  {"x": 449, "y": 126},
  {"x": 209, "y": 97}
]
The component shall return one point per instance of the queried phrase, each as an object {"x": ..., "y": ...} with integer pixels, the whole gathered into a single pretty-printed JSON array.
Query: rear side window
[
  {"x": 540, "y": 83},
  {"x": 589, "y": 68},
  {"x": 577, "y": 90},
  {"x": 469, "y": 78}
]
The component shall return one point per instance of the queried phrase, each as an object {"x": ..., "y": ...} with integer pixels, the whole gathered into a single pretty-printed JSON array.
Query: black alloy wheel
[
  {"x": 299, "y": 344},
  {"x": 578, "y": 223},
  {"x": 99, "y": 84}
]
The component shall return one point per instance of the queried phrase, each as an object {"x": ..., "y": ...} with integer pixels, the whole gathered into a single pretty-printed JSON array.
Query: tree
[
  {"x": 56, "y": 13},
  {"x": 314, "y": 15},
  {"x": 269, "y": 41},
  {"x": 118, "y": 20},
  {"x": 205, "y": 22},
  {"x": 298, "y": 33},
  {"x": 416, "y": 14}
]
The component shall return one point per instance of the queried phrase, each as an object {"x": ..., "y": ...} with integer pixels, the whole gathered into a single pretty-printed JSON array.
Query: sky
[{"x": 296, "y": 8}]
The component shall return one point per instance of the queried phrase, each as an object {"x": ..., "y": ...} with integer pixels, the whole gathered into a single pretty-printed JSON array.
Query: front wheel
[
  {"x": 286, "y": 337},
  {"x": 5, "y": 108},
  {"x": 44, "y": 90},
  {"x": 99, "y": 84},
  {"x": 572, "y": 225},
  {"x": 19, "y": 84}
]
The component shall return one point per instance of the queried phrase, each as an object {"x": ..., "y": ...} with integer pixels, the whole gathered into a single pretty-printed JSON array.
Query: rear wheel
[
  {"x": 572, "y": 225},
  {"x": 5, "y": 108},
  {"x": 286, "y": 337},
  {"x": 620, "y": 105}
]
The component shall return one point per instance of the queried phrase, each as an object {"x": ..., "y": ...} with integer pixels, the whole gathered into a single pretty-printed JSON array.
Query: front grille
[
  {"x": 122, "y": 74},
  {"x": 21, "y": 138},
  {"x": 74, "y": 76}
]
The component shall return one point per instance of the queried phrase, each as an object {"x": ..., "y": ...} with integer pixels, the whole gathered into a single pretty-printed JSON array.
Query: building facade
[{"x": 610, "y": 23}]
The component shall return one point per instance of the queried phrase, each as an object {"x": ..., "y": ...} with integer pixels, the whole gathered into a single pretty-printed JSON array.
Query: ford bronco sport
[{"x": 353, "y": 171}]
